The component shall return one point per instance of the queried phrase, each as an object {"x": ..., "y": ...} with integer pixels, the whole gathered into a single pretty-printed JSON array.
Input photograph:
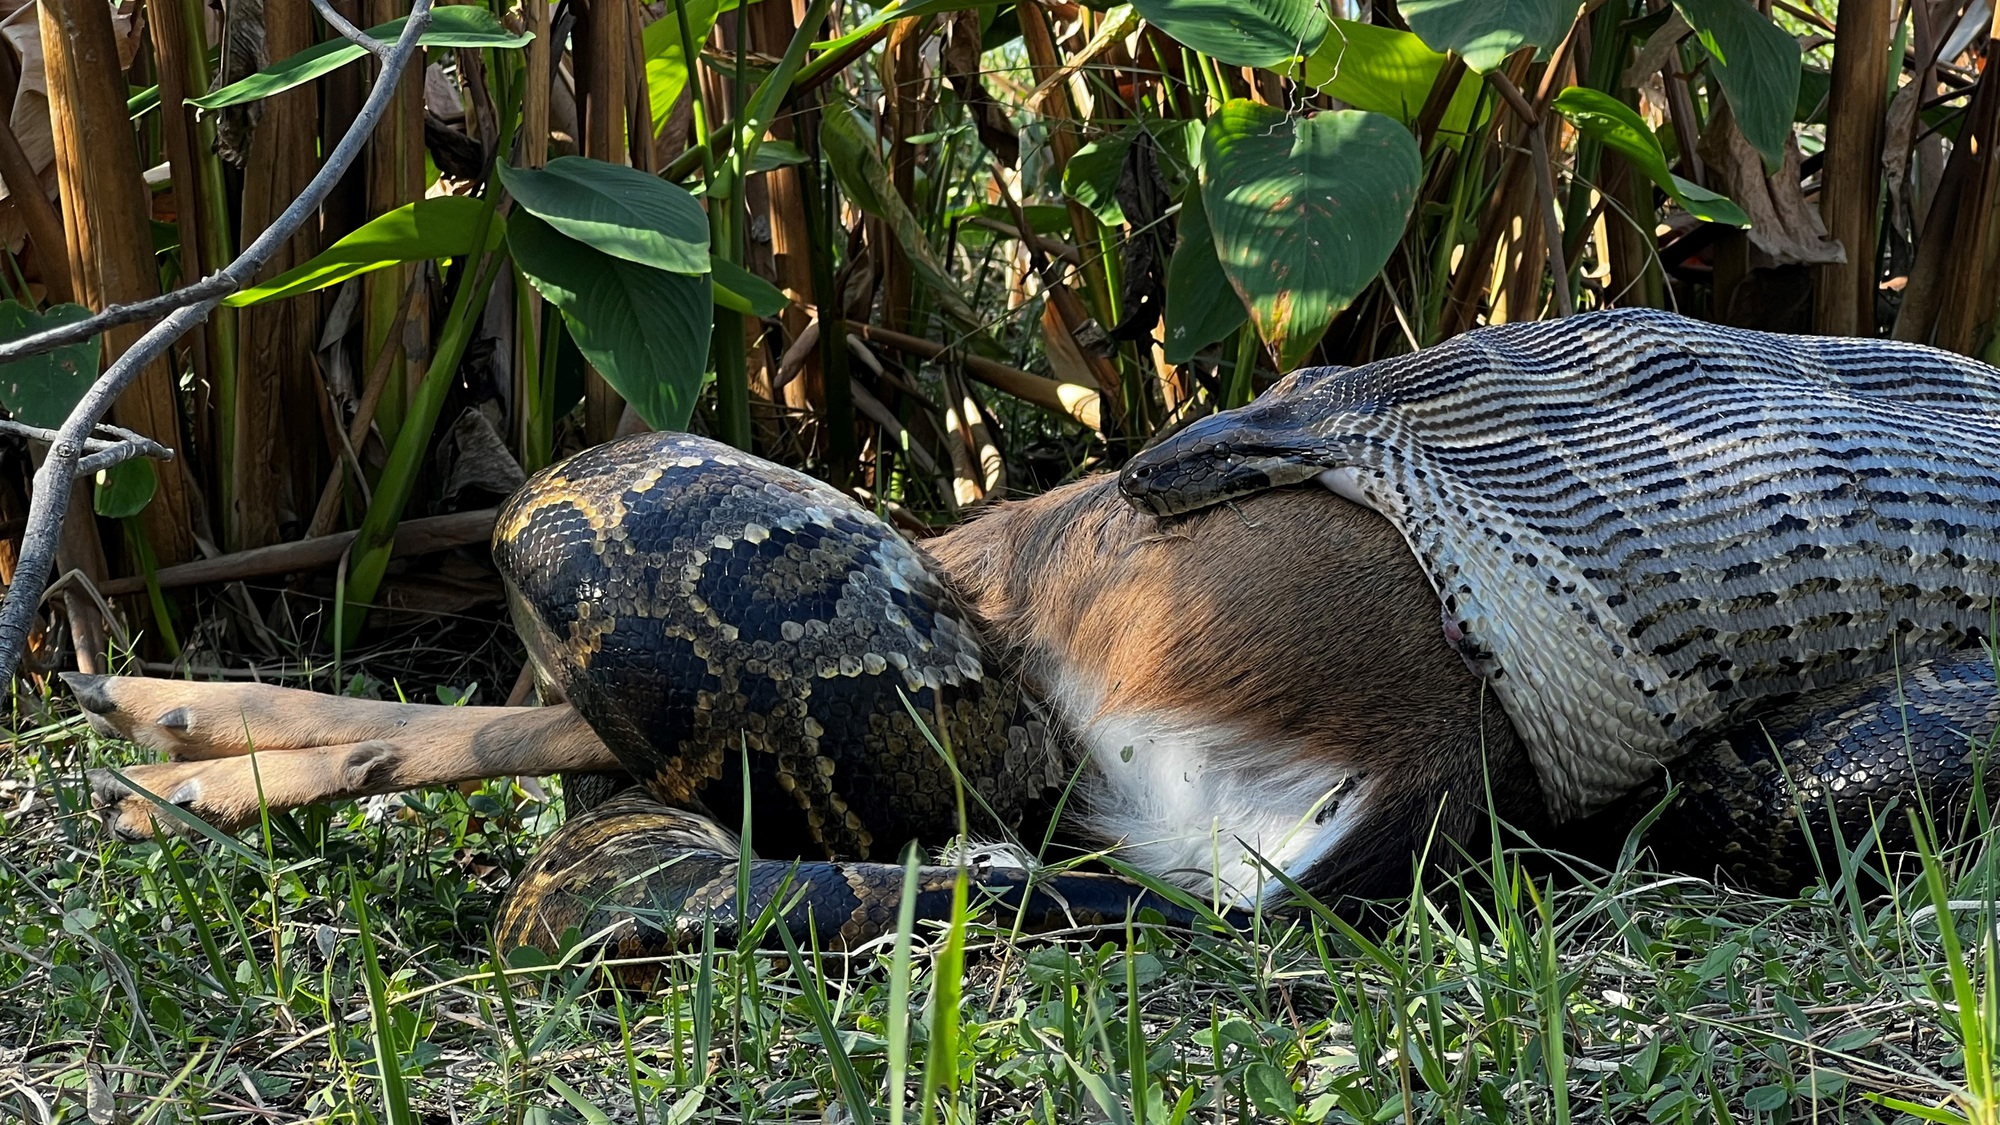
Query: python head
[{"x": 1271, "y": 443}]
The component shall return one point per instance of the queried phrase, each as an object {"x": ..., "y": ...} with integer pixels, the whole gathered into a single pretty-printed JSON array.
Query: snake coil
[{"x": 715, "y": 616}]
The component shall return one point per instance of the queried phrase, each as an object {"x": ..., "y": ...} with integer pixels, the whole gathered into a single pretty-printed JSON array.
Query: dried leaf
[
  {"x": 1657, "y": 50},
  {"x": 1784, "y": 228},
  {"x": 442, "y": 96},
  {"x": 456, "y": 155},
  {"x": 961, "y": 67},
  {"x": 1897, "y": 139},
  {"x": 240, "y": 55},
  {"x": 1142, "y": 195},
  {"x": 1066, "y": 356},
  {"x": 473, "y": 459}
]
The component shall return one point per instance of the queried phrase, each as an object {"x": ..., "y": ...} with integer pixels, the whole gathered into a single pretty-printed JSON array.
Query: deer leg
[
  {"x": 186, "y": 720},
  {"x": 452, "y": 745}
]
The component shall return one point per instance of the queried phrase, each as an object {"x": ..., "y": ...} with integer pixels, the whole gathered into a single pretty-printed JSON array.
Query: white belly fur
[{"x": 1196, "y": 804}]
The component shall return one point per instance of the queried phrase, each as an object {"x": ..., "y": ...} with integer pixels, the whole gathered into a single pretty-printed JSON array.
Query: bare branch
[
  {"x": 192, "y": 305},
  {"x": 211, "y": 289},
  {"x": 1545, "y": 185},
  {"x": 102, "y": 454},
  {"x": 117, "y": 453},
  {"x": 348, "y": 31}
]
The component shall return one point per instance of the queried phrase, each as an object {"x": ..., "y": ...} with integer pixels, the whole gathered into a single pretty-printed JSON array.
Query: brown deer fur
[{"x": 1287, "y": 650}]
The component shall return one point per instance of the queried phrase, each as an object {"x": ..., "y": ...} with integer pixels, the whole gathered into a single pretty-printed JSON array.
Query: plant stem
[{"x": 370, "y": 558}]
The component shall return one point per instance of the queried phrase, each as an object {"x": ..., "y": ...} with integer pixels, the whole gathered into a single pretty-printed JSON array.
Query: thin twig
[
  {"x": 1545, "y": 186},
  {"x": 205, "y": 294},
  {"x": 89, "y": 589},
  {"x": 100, "y": 454},
  {"x": 364, "y": 414},
  {"x": 349, "y": 32},
  {"x": 52, "y": 480},
  {"x": 420, "y": 536}
]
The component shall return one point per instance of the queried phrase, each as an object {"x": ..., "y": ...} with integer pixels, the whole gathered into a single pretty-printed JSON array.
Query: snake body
[
  {"x": 1643, "y": 526},
  {"x": 1845, "y": 764},
  {"x": 721, "y": 620},
  {"x": 1766, "y": 561}
]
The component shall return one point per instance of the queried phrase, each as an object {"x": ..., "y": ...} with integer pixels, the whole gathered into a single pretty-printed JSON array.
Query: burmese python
[
  {"x": 714, "y": 617},
  {"x": 1649, "y": 534}
]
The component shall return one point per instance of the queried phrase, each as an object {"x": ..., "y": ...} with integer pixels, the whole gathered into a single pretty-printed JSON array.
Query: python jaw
[{"x": 1215, "y": 460}]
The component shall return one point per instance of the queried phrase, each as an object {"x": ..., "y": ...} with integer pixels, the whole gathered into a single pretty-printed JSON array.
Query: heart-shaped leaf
[
  {"x": 1241, "y": 32},
  {"x": 1202, "y": 307},
  {"x": 1758, "y": 64},
  {"x": 1485, "y": 32},
  {"x": 440, "y": 227},
  {"x": 1305, "y": 211},
  {"x": 455, "y": 25},
  {"x": 1621, "y": 129},
  {"x": 621, "y": 211},
  {"x": 41, "y": 390},
  {"x": 645, "y": 330}
]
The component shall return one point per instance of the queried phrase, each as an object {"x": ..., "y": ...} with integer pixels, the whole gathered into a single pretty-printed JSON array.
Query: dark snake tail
[
  {"x": 638, "y": 879},
  {"x": 1861, "y": 756}
]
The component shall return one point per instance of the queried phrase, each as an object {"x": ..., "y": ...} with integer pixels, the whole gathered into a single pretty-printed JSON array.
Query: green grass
[{"x": 338, "y": 968}]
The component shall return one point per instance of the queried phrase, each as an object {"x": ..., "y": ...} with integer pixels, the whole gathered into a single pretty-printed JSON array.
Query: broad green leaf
[
  {"x": 1485, "y": 32},
  {"x": 1240, "y": 32},
  {"x": 457, "y": 25},
  {"x": 621, "y": 211},
  {"x": 1386, "y": 71},
  {"x": 1305, "y": 211},
  {"x": 41, "y": 390},
  {"x": 1091, "y": 177},
  {"x": 439, "y": 227},
  {"x": 1718, "y": 960},
  {"x": 666, "y": 70},
  {"x": 1758, "y": 65},
  {"x": 645, "y": 330},
  {"x": 1620, "y": 127},
  {"x": 1202, "y": 307},
  {"x": 1178, "y": 145},
  {"x": 124, "y": 489},
  {"x": 739, "y": 290}
]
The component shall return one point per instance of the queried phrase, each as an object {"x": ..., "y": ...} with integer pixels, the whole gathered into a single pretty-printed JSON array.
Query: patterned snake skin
[
  {"x": 1859, "y": 756},
  {"x": 1644, "y": 528},
  {"x": 712, "y": 614}
]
